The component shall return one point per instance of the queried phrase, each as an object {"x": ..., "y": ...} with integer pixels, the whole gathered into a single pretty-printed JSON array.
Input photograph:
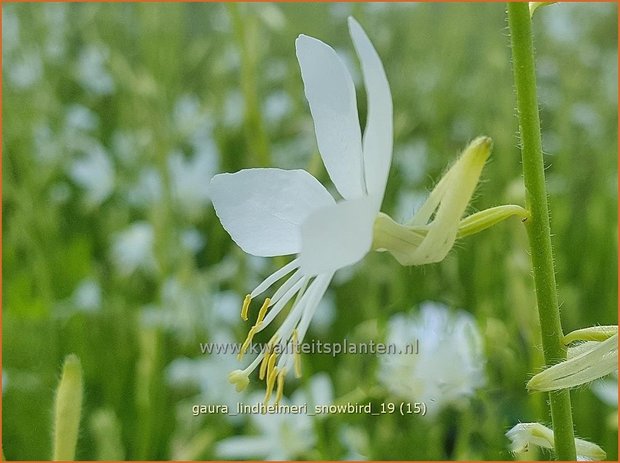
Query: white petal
[
  {"x": 336, "y": 236},
  {"x": 262, "y": 209},
  {"x": 331, "y": 94},
  {"x": 379, "y": 126}
]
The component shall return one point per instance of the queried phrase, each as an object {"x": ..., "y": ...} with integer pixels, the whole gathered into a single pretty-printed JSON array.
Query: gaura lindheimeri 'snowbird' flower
[
  {"x": 592, "y": 355},
  {"x": 273, "y": 212},
  {"x": 524, "y": 435},
  {"x": 449, "y": 367}
]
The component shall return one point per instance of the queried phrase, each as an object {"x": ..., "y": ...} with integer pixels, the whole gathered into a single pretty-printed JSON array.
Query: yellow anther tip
[
  {"x": 271, "y": 379},
  {"x": 239, "y": 378},
  {"x": 263, "y": 311},
  {"x": 280, "y": 390},
  {"x": 245, "y": 307}
]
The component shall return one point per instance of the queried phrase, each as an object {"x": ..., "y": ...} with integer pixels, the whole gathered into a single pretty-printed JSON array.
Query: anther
[
  {"x": 263, "y": 310},
  {"x": 280, "y": 389},
  {"x": 271, "y": 379},
  {"x": 245, "y": 307},
  {"x": 248, "y": 341},
  {"x": 270, "y": 364},
  {"x": 296, "y": 356}
]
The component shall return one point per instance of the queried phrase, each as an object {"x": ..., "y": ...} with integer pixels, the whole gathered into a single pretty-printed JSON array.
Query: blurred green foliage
[{"x": 219, "y": 87}]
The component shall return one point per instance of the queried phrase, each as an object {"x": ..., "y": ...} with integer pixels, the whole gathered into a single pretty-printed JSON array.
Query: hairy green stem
[{"x": 538, "y": 228}]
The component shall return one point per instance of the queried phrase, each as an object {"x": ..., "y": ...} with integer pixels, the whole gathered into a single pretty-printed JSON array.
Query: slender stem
[
  {"x": 538, "y": 228},
  {"x": 256, "y": 137}
]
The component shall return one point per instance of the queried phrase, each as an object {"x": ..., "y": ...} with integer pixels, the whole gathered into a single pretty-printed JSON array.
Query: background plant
[{"x": 116, "y": 116}]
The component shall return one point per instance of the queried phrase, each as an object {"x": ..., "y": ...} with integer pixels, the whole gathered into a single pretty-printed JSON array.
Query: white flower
[
  {"x": 275, "y": 212},
  {"x": 449, "y": 364},
  {"x": 95, "y": 173},
  {"x": 208, "y": 374},
  {"x": 607, "y": 390},
  {"x": 187, "y": 175},
  {"x": 596, "y": 356},
  {"x": 133, "y": 248},
  {"x": 282, "y": 436},
  {"x": 87, "y": 295},
  {"x": 525, "y": 434},
  {"x": 91, "y": 70}
]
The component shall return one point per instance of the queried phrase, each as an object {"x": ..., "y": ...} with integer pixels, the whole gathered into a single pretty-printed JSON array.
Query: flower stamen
[
  {"x": 296, "y": 356},
  {"x": 263, "y": 311},
  {"x": 280, "y": 388},
  {"x": 271, "y": 380},
  {"x": 246, "y": 306},
  {"x": 248, "y": 340}
]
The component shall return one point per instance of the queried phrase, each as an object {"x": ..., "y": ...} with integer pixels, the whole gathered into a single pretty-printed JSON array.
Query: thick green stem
[{"x": 538, "y": 228}]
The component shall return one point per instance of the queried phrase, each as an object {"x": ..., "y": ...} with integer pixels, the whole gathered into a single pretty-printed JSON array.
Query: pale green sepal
[
  {"x": 482, "y": 220},
  {"x": 427, "y": 239},
  {"x": 535, "y": 5},
  {"x": 400, "y": 240},
  {"x": 523, "y": 435},
  {"x": 450, "y": 199},
  {"x": 593, "y": 361},
  {"x": 67, "y": 410},
  {"x": 593, "y": 333}
]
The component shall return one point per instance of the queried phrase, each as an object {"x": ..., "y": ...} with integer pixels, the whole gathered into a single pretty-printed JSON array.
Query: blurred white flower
[
  {"x": 26, "y": 69},
  {"x": 208, "y": 373},
  {"x": 192, "y": 240},
  {"x": 87, "y": 295},
  {"x": 275, "y": 212},
  {"x": 523, "y": 435},
  {"x": 356, "y": 442},
  {"x": 607, "y": 390},
  {"x": 188, "y": 176},
  {"x": 281, "y": 436},
  {"x": 276, "y": 107},
  {"x": 10, "y": 31},
  {"x": 132, "y": 248},
  {"x": 91, "y": 70},
  {"x": 189, "y": 117},
  {"x": 55, "y": 15},
  {"x": 147, "y": 190},
  {"x": 226, "y": 308},
  {"x": 233, "y": 107},
  {"x": 94, "y": 172},
  {"x": 412, "y": 161},
  {"x": 79, "y": 118},
  {"x": 129, "y": 146},
  {"x": 407, "y": 202},
  {"x": 325, "y": 313},
  {"x": 272, "y": 16},
  {"x": 449, "y": 366},
  {"x": 182, "y": 308}
]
